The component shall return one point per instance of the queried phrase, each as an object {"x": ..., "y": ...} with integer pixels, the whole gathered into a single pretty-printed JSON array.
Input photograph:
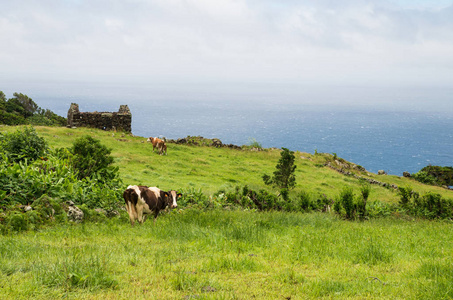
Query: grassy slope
[
  {"x": 218, "y": 254},
  {"x": 212, "y": 169}
]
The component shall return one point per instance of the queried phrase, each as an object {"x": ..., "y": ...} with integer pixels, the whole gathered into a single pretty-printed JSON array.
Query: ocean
[{"x": 394, "y": 132}]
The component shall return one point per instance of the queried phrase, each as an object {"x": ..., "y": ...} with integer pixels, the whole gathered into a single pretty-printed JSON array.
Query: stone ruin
[{"x": 121, "y": 120}]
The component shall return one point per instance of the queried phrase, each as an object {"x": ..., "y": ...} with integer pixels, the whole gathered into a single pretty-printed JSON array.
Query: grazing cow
[
  {"x": 142, "y": 200},
  {"x": 161, "y": 147},
  {"x": 154, "y": 141}
]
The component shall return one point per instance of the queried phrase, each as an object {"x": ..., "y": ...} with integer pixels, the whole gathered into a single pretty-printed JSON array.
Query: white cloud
[{"x": 347, "y": 42}]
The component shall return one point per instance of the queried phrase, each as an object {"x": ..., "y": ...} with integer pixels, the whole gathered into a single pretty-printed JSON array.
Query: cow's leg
[
  {"x": 140, "y": 214},
  {"x": 130, "y": 211}
]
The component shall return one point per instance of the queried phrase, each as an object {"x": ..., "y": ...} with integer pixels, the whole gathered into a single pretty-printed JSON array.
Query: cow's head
[
  {"x": 173, "y": 196},
  {"x": 150, "y": 139}
]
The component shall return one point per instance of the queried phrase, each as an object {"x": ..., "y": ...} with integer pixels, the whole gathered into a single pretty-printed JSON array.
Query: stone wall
[{"x": 121, "y": 120}]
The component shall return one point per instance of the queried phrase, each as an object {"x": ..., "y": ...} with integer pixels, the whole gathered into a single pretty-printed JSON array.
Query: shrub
[
  {"x": 424, "y": 177},
  {"x": 11, "y": 118},
  {"x": 433, "y": 206},
  {"x": 349, "y": 206},
  {"x": 23, "y": 145},
  {"x": 91, "y": 158},
  {"x": 192, "y": 196},
  {"x": 322, "y": 203},
  {"x": 25, "y": 182},
  {"x": 430, "y": 205},
  {"x": 345, "y": 203},
  {"x": 361, "y": 203},
  {"x": 303, "y": 202},
  {"x": 406, "y": 193},
  {"x": 55, "y": 178},
  {"x": 435, "y": 175},
  {"x": 378, "y": 209}
]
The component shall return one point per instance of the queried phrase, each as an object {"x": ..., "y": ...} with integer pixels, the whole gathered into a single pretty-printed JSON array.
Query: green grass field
[{"x": 229, "y": 254}]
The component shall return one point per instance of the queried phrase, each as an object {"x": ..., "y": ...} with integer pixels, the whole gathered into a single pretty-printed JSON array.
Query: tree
[
  {"x": 283, "y": 177},
  {"x": 30, "y": 107},
  {"x": 2, "y": 101}
]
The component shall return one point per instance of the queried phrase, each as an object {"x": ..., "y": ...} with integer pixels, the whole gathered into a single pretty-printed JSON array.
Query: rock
[
  {"x": 28, "y": 208},
  {"x": 406, "y": 174},
  {"x": 75, "y": 214},
  {"x": 381, "y": 172},
  {"x": 181, "y": 141},
  {"x": 216, "y": 143},
  {"x": 101, "y": 211},
  {"x": 112, "y": 213}
]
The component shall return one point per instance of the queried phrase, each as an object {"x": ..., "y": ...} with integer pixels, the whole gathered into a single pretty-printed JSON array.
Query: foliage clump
[
  {"x": 435, "y": 175},
  {"x": 350, "y": 206},
  {"x": 430, "y": 205},
  {"x": 92, "y": 159},
  {"x": 46, "y": 180},
  {"x": 23, "y": 145}
]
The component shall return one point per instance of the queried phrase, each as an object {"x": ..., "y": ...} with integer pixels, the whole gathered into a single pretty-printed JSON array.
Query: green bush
[
  {"x": 92, "y": 159},
  {"x": 424, "y": 177},
  {"x": 378, "y": 208},
  {"x": 430, "y": 205},
  {"x": 11, "y": 118},
  {"x": 25, "y": 183},
  {"x": 192, "y": 196},
  {"x": 365, "y": 191},
  {"x": 433, "y": 206},
  {"x": 23, "y": 145},
  {"x": 17, "y": 222},
  {"x": 345, "y": 203},
  {"x": 352, "y": 207},
  {"x": 435, "y": 175},
  {"x": 303, "y": 202}
]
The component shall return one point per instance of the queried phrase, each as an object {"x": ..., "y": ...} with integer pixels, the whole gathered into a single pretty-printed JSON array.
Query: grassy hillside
[
  {"x": 229, "y": 253},
  {"x": 213, "y": 169}
]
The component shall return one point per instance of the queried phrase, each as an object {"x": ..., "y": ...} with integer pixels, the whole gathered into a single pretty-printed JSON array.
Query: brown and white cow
[
  {"x": 142, "y": 200},
  {"x": 154, "y": 141}
]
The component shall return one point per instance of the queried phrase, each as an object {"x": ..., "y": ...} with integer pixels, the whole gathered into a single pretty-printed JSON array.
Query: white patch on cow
[
  {"x": 155, "y": 190},
  {"x": 136, "y": 189},
  {"x": 173, "y": 195}
]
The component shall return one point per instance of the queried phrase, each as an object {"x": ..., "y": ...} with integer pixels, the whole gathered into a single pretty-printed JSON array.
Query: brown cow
[
  {"x": 142, "y": 200},
  {"x": 154, "y": 141}
]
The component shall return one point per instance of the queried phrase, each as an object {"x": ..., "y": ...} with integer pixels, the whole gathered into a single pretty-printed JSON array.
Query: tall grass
[{"x": 220, "y": 254}]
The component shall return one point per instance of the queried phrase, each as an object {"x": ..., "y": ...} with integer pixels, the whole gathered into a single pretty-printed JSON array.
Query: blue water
[
  {"x": 394, "y": 141},
  {"x": 397, "y": 134}
]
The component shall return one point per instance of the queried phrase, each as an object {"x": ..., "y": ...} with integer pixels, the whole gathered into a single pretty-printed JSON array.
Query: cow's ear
[{"x": 179, "y": 195}]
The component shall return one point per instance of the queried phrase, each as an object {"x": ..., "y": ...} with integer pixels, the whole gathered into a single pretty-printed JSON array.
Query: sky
[{"x": 226, "y": 44}]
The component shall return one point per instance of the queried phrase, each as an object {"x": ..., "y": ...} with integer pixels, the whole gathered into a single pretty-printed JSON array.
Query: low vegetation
[{"x": 320, "y": 227}]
